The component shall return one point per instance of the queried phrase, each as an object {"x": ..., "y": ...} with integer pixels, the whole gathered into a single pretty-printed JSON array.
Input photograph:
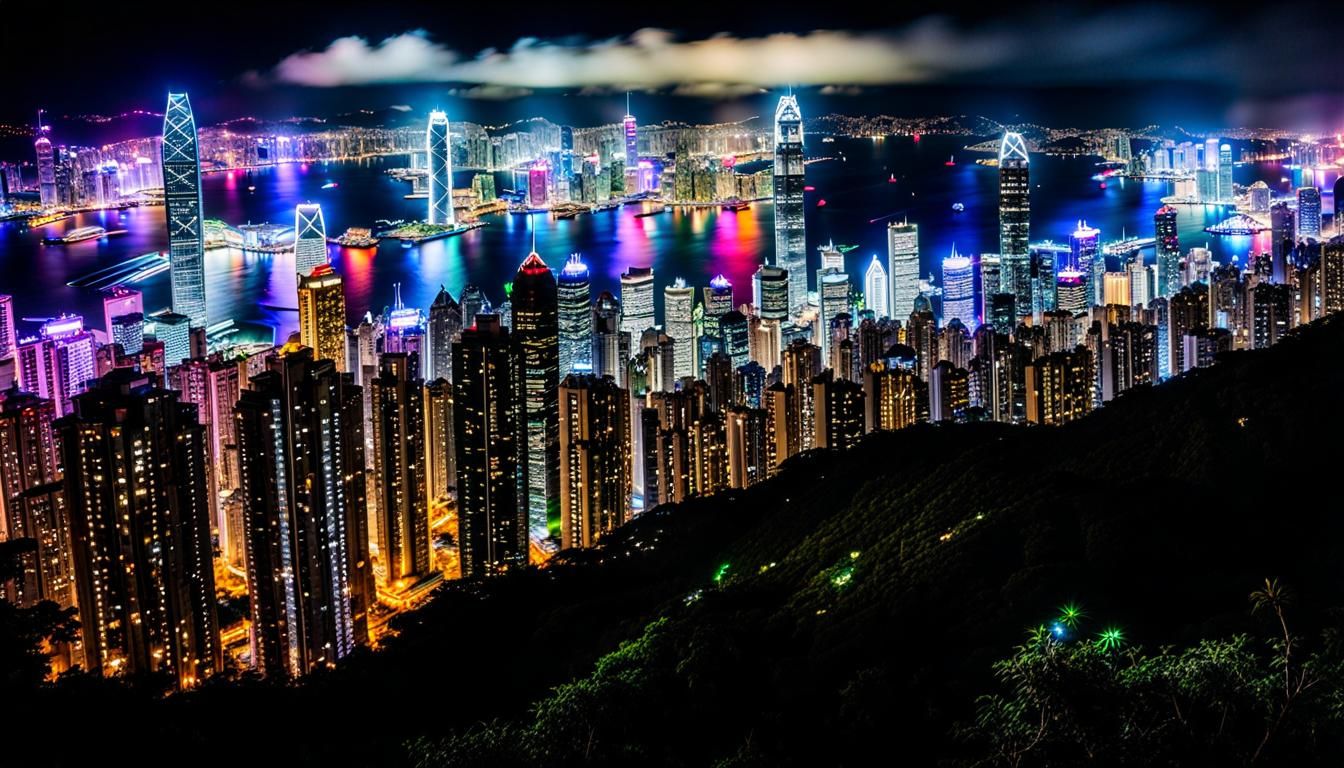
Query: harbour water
[{"x": 694, "y": 243}]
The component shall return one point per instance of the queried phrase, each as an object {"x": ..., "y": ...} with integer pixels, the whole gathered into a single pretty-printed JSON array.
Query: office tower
[
  {"x": 637, "y": 300},
  {"x": 611, "y": 344},
  {"x": 322, "y": 314},
  {"x": 1225, "y": 173},
  {"x": 439, "y": 152},
  {"x": 174, "y": 330},
  {"x": 891, "y": 391},
  {"x": 59, "y": 363},
  {"x": 117, "y": 301},
  {"x": 1271, "y": 303},
  {"x": 990, "y": 282},
  {"x": 536, "y": 332},
  {"x": 833, "y": 294},
  {"x": 875, "y": 287},
  {"x": 790, "y": 234},
  {"x": 305, "y": 519},
  {"x": 802, "y": 362},
  {"x": 400, "y": 484},
  {"x": 958, "y": 289},
  {"x": 574, "y": 298},
  {"x": 831, "y": 257},
  {"x": 1059, "y": 387},
  {"x": 903, "y": 259},
  {"x": 474, "y": 302},
  {"x": 46, "y": 165},
  {"x": 770, "y": 293},
  {"x": 440, "y": 450},
  {"x": 949, "y": 392},
  {"x": 1309, "y": 213},
  {"x": 1283, "y": 237},
  {"x": 182, "y": 200},
  {"x": 134, "y": 461},
  {"x": 445, "y": 324},
  {"x": 310, "y": 238},
  {"x": 129, "y": 332},
  {"x": 921, "y": 335},
  {"x": 736, "y": 332},
  {"x": 1085, "y": 256},
  {"x": 678, "y": 308},
  {"x": 487, "y": 426},
  {"x": 1168, "y": 252},
  {"x": 718, "y": 302},
  {"x": 1015, "y": 220},
  {"x": 631, "y": 135},
  {"x": 838, "y": 411},
  {"x": 1115, "y": 289},
  {"x": 1139, "y": 291},
  {"x": 595, "y": 466},
  {"x": 538, "y": 182}
]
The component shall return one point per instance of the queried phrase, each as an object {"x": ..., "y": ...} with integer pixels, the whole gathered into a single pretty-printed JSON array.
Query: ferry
[
  {"x": 828, "y": 140},
  {"x": 951, "y": 161},
  {"x": 958, "y": 207},
  {"x": 80, "y": 235},
  {"x": 330, "y": 185},
  {"x": 891, "y": 179},
  {"x": 357, "y": 237},
  {"x": 251, "y": 187},
  {"x": 735, "y": 205}
]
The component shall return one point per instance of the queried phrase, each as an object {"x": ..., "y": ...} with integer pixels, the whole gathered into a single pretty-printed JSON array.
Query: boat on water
[
  {"x": 821, "y": 203},
  {"x": 891, "y": 179},
  {"x": 330, "y": 185},
  {"x": 828, "y": 140},
  {"x": 951, "y": 161},
  {"x": 357, "y": 237},
  {"x": 958, "y": 207},
  {"x": 735, "y": 205},
  {"x": 809, "y": 188},
  {"x": 81, "y": 234},
  {"x": 251, "y": 187}
]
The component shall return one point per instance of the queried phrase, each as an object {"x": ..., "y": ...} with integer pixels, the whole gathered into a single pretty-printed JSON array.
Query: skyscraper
[
  {"x": 536, "y": 332},
  {"x": 400, "y": 476},
  {"x": 1338, "y": 219},
  {"x": 310, "y": 238},
  {"x": 1015, "y": 220},
  {"x": 29, "y": 464},
  {"x": 790, "y": 232},
  {"x": 637, "y": 301},
  {"x": 1309, "y": 213},
  {"x": 574, "y": 298},
  {"x": 875, "y": 285},
  {"x": 117, "y": 301},
  {"x": 1225, "y": 173},
  {"x": 595, "y": 466},
  {"x": 487, "y": 426},
  {"x": 445, "y": 325},
  {"x": 305, "y": 520},
  {"x": 1085, "y": 256},
  {"x": 46, "y": 165},
  {"x": 1283, "y": 237},
  {"x": 135, "y": 464},
  {"x": 1168, "y": 252},
  {"x": 718, "y": 302},
  {"x": 1059, "y": 387},
  {"x": 9, "y": 341},
  {"x": 437, "y": 146},
  {"x": 678, "y": 306},
  {"x": 182, "y": 199},
  {"x": 903, "y": 261},
  {"x": 631, "y": 149},
  {"x": 322, "y": 314},
  {"x": 958, "y": 289}
]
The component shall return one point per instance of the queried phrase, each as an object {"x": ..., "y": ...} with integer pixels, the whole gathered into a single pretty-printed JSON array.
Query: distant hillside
[{"x": 853, "y": 606}]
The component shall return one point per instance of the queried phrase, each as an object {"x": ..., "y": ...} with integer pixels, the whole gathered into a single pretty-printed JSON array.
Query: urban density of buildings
[{"x": 341, "y": 476}]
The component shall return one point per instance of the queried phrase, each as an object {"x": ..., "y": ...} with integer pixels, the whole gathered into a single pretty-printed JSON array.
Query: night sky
[{"x": 1080, "y": 64}]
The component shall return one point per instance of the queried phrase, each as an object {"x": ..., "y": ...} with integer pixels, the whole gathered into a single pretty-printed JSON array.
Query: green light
[
  {"x": 842, "y": 577},
  {"x": 720, "y": 573},
  {"x": 854, "y": 555},
  {"x": 1070, "y": 614},
  {"x": 1110, "y": 639}
]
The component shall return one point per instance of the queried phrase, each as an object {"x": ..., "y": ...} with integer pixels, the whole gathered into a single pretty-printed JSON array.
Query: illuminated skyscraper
[
  {"x": 305, "y": 519},
  {"x": 595, "y": 466},
  {"x": 631, "y": 149},
  {"x": 182, "y": 199},
  {"x": 536, "y": 332},
  {"x": 637, "y": 301},
  {"x": 437, "y": 146},
  {"x": 875, "y": 286},
  {"x": 1225, "y": 173},
  {"x": 445, "y": 325},
  {"x": 116, "y": 301},
  {"x": 1338, "y": 220},
  {"x": 400, "y": 477},
  {"x": 322, "y": 314},
  {"x": 678, "y": 306},
  {"x": 32, "y": 504},
  {"x": 903, "y": 267},
  {"x": 838, "y": 406},
  {"x": 487, "y": 424},
  {"x": 958, "y": 289},
  {"x": 790, "y": 232},
  {"x": 1168, "y": 252},
  {"x": 718, "y": 302},
  {"x": 1071, "y": 289},
  {"x": 1283, "y": 237},
  {"x": 310, "y": 238},
  {"x": 46, "y": 165},
  {"x": 1085, "y": 256},
  {"x": 9, "y": 341},
  {"x": 1059, "y": 387},
  {"x": 440, "y": 450},
  {"x": 135, "y": 464},
  {"x": 59, "y": 363},
  {"x": 1015, "y": 220},
  {"x": 574, "y": 297},
  {"x": 833, "y": 295},
  {"x": 1309, "y": 213}
]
